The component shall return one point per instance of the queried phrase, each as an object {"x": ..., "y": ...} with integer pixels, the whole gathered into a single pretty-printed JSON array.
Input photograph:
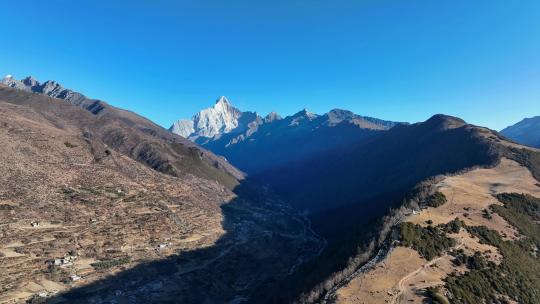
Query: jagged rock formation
[
  {"x": 213, "y": 122},
  {"x": 49, "y": 88},
  {"x": 525, "y": 132}
]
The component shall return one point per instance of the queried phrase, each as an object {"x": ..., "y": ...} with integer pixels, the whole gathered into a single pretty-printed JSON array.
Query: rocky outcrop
[{"x": 49, "y": 88}]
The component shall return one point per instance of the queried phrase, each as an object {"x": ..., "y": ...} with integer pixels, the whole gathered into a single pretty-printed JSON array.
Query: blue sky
[{"x": 398, "y": 60}]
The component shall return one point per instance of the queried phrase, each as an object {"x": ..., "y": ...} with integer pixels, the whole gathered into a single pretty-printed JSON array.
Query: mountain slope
[
  {"x": 255, "y": 144},
  {"x": 127, "y": 132},
  {"x": 382, "y": 168},
  {"x": 83, "y": 220},
  {"x": 64, "y": 193},
  {"x": 355, "y": 196},
  {"x": 491, "y": 230},
  {"x": 525, "y": 132}
]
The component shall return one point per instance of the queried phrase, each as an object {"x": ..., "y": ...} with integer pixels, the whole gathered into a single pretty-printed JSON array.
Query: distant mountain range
[
  {"x": 254, "y": 143},
  {"x": 525, "y": 132}
]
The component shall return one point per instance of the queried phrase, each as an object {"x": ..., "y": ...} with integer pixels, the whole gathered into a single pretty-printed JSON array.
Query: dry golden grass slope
[
  {"x": 403, "y": 273},
  {"x": 93, "y": 210}
]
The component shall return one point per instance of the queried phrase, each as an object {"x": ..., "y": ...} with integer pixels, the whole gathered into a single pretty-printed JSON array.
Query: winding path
[{"x": 402, "y": 286}]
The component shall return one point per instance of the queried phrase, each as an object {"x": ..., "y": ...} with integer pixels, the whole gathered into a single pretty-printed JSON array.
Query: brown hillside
[{"x": 83, "y": 214}]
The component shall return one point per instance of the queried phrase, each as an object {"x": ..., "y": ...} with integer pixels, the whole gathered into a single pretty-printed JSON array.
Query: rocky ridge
[{"x": 237, "y": 135}]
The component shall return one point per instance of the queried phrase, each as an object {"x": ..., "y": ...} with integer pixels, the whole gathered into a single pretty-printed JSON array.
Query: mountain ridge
[
  {"x": 376, "y": 182},
  {"x": 526, "y": 132},
  {"x": 279, "y": 140},
  {"x": 128, "y": 132}
]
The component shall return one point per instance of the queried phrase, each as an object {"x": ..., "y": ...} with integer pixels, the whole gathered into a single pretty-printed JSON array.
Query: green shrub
[
  {"x": 521, "y": 203},
  {"x": 453, "y": 226},
  {"x": 521, "y": 211},
  {"x": 434, "y": 294},
  {"x": 35, "y": 299},
  {"x": 517, "y": 276},
  {"x": 525, "y": 157},
  {"x": 436, "y": 200},
  {"x": 69, "y": 145},
  {"x": 476, "y": 261},
  {"x": 429, "y": 241},
  {"x": 110, "y": 263}
]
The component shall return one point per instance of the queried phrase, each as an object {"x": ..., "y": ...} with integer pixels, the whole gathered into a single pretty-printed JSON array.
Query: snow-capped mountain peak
[
  {"x": 212, "y": 122},
  {"x": 222, "y": 100}
]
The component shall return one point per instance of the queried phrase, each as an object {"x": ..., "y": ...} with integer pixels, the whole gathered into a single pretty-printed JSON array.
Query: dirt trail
[
  {"x": 403, "y": 284},
  {"x": 398, "y": 275}
]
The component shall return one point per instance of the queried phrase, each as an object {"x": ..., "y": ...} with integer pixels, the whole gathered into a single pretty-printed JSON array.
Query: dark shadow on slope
[
  {"x": 386, "y": 165},
  {"x": 277, "y": 144},
  {"x": 263, "y": 240},
  {"x": 351, "y": 228},
  {"x": 361, "y": 185}
]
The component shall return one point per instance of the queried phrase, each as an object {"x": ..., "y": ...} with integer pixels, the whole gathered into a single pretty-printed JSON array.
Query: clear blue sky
[{"x": 399, "y": 60}]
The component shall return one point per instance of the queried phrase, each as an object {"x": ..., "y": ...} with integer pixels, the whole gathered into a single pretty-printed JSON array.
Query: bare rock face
[
  {"x": 14, "y": 83},
  {"x": 272, "y": 116},
  {"x": 183, "y": 127},
  {"x": 49, "y": 88},
  {"x": 222, "y": 118}
]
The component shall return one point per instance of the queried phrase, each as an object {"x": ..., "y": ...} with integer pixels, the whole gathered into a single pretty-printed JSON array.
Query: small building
[
  {"x": 65, "y": 261},
  {"x": 43, "y": 294},
  {"x": 75, "y": 278}
]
